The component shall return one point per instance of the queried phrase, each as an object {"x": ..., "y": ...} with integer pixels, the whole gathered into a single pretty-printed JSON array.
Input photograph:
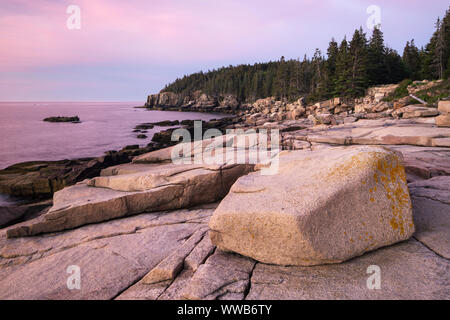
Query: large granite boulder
[{"x": 319, "y": 208}]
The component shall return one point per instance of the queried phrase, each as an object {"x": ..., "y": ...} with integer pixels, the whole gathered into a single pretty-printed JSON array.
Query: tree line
[{"x": 347, "y": 69}]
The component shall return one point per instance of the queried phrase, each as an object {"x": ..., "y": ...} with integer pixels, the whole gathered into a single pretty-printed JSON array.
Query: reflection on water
[{"x": 105, "y": 126}]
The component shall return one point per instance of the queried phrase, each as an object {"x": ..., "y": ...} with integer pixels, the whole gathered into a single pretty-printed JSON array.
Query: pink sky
[{"x": 127, "y": 49}]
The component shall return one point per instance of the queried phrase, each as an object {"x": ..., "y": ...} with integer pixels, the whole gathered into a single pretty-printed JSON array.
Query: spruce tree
[
  {"x": 412, "y": 60},
  {"x": 446, "y": 37},
  {"x": 318, "y": 89},
  {"x": 395, "y": 67},
  {"x": 438, "y": 57},
  {"x": 343, "y": 71},
  {"x": 376, "y": 54},
  {"x": 332, "y": 53},
  {"x": 359, "y": 64}
]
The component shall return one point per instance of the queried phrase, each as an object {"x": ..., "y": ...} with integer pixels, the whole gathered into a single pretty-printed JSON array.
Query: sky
[{"x": 125, "y": 50}]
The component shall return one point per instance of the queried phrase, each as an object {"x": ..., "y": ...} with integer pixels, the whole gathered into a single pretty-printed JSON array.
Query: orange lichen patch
[
  {"x": 394, "y": 224},
  {"x": 357, "y": 161},
  {"x": 393, "y": 179},
  {"x": 389, "y": 174}
]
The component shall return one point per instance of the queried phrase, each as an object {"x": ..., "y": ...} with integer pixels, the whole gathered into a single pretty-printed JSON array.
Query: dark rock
[
  {"x": 131, "y": 147},
  {"x": 74, "y": 119},
  {"x": 188, "y": 122},
  {"x": 40, "y": 179},
  {"x": 144, "y": 126},
  {"x": 194, "y": 101},
  {"x": 10, "y": 215},
  {"x": 166, "y": 123}
]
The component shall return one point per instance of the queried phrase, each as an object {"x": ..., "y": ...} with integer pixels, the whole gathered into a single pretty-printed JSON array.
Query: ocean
[{"x": 104, "y": 126}]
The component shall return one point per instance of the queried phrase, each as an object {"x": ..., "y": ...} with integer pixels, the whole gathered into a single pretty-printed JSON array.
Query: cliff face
[
  {"x": 373, "y": 104},
  {"x": 196, "y": 101}
]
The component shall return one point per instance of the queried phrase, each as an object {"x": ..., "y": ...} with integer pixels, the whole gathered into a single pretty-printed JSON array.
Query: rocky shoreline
[
  {"x": 34, "y": 182},
  {"x": 358, "y": 184}
]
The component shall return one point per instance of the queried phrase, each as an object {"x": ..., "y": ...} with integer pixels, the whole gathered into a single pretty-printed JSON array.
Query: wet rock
[
  {"x": 143, "y": 126},
  {"x": 74, "y": 119},
  {"x": 10, "y": 215}
]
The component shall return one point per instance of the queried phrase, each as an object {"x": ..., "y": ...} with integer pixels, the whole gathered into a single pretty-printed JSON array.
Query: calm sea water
[{"x": 104, "y": 126}]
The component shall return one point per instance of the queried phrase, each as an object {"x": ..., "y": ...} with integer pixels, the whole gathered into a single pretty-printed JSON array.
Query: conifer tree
[
  {"x": 332, "y": 53},
  {"x": 359, "y": 64},
  {"x": 343, "y": 71},
  {"x": 412, "y": 60},
  {"x": 376, "y": 54}
]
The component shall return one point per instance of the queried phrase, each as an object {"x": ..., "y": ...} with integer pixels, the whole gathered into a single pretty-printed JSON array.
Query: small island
[{"x": 74, "y": 119}]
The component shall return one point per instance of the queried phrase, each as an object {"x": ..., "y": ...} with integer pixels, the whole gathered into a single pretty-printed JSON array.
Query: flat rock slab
[
  {"x": 381, "y": 132},
  {"x": 407, "y": 271},
  {"x": 431, "y": 208},
  {"x": 437, "y": 188},
  {"x": 425, "y": 162},
  {"x": 223, "y": 276},
  {"x": 169, "y": 268},
  {"x": 321, "y": 207},
  {"x": 111, "y": 255},
  {"x": 134, "y": 189}
]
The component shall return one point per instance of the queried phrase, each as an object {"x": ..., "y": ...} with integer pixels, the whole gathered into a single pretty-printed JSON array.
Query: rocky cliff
[
  {"x": 196, "y": 101},
  {"x": 377, "y": 103}
]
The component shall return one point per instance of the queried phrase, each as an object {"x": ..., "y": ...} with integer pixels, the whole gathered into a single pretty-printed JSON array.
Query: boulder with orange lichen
[{"x": 320, "y": 208}]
